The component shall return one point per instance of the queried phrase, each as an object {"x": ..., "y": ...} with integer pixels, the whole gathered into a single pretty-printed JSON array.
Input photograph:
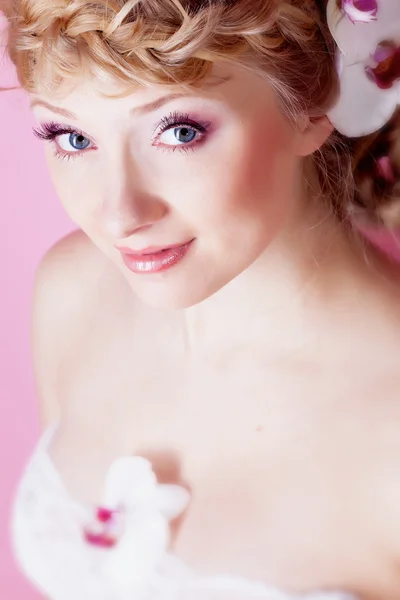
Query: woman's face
[{"x": 210, "y": 173}]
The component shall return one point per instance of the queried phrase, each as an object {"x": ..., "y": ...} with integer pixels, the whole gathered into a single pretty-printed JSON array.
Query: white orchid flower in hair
[
  {"x": 367, "y": 33},
  {"x": 362, "y": 11}
]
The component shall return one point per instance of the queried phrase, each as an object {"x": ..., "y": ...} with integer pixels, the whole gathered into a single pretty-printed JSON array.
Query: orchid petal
[
  {"x": 362, "y": 108},
  {"x": 359, "y": 40},
  {"x": 139, "y": 551},
  {"x": 130, "y": 482},
  {"x": 384, "y": 69},
  {"x": 361, "y": 11},
  {"x": 171, "y": 500}
]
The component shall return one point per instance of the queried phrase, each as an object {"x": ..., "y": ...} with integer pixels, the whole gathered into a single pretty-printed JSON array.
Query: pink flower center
[
  {"x": 104, "y": 515},
  {"x": 386, "y": 71},
  {"x": 106, "y": 529},
  {"x": 369, "y": 6},
  {"x": 102, "y": 540},
  {"x": 363, "y": 11}
]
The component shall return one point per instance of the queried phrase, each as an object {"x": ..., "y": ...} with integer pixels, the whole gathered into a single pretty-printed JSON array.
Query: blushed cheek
[
  {"x": 267, "y": 170},
  {"x": 258, "y": 182}
]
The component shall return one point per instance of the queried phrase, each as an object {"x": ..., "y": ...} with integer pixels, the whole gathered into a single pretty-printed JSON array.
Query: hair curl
[{"x": 177, "y": 41}]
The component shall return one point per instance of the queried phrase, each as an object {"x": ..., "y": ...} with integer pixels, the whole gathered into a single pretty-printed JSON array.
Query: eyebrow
[
  {"x": 143, "y": 109},
  {"x": 54, "y": 109}
]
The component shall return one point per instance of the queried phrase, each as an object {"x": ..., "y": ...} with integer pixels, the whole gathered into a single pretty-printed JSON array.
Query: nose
[{"x": 128, "y": 203}]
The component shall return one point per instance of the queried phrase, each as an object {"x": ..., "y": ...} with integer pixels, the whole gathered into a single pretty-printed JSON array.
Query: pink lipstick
[{"x": 154, "y": 260}]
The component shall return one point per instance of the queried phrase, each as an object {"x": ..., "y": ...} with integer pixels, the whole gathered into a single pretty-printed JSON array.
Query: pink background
[{"x": 31, "y": 220}]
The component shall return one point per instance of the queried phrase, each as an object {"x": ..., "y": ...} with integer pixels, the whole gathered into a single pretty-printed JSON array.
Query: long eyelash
[
  {"x": 49, "y": 131},
  {"x": 182, "y": 148},
  {"x": 65, "y": 155},
  {"x": 178, "y": 119}
]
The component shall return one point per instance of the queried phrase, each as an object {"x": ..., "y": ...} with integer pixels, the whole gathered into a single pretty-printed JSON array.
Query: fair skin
[{"x": 261, "y": 371}]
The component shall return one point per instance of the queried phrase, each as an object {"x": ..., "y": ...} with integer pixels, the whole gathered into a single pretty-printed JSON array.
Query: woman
[{"x": 216, "y": 351}]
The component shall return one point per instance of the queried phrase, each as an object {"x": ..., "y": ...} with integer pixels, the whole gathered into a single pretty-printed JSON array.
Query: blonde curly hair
[{"x": 174, "y": 42}]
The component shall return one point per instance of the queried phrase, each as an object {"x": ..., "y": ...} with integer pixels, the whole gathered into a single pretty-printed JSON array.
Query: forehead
[
  {"x": 80, "y": 89},
  {"x": 231, "y": 85}
]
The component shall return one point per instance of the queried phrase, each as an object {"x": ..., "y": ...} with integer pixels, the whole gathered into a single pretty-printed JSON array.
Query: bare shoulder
[
  {"x": 72, "y": 282},
  {"x": 69, "y": 272},
  {"x": 70, "y": 258}
]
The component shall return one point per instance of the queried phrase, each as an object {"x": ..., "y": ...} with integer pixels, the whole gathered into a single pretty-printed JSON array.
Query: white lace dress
[{"x": 118, "y": 551}]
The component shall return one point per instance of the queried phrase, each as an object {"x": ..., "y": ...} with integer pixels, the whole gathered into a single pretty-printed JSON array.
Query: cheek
[
  {"x": 73, "y": 185},
  {"x": 60, "y": 175},
  {"x": 251, "y": 181},
  {"x": 264, "y": 168}
]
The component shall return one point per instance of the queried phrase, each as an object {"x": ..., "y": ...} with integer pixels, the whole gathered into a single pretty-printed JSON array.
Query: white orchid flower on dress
[
  {"x": 367, "y": 33},
  {"x": 130, "y": 530}
]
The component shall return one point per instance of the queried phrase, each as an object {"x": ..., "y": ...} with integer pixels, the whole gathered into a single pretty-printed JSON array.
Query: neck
[{"x": 275, "y": 303}]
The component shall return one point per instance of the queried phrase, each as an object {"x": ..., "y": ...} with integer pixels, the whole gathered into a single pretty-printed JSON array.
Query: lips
[
  {"x": 152, "y": 259},
  {"x": 151, "y": 250}
]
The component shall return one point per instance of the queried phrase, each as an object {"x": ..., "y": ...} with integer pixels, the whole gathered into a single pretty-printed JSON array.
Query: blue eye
[
  {"x": 78, "y": 141},
  {"x": 180, "y": 130},
  {"x": 179, "y": 135},
  {"x": 73, "y": 141},
  {"x": 185, "y": 134}
]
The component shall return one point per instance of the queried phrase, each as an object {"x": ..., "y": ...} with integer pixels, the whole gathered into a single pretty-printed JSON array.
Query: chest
[{"x": 292, "y": 467}]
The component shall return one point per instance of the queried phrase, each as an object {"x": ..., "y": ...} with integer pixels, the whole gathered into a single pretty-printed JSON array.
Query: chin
[
  {"x": 183, "y": 285},
  {"x": 170, "y": 299},
  {"x": 169, "y": 294}
]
